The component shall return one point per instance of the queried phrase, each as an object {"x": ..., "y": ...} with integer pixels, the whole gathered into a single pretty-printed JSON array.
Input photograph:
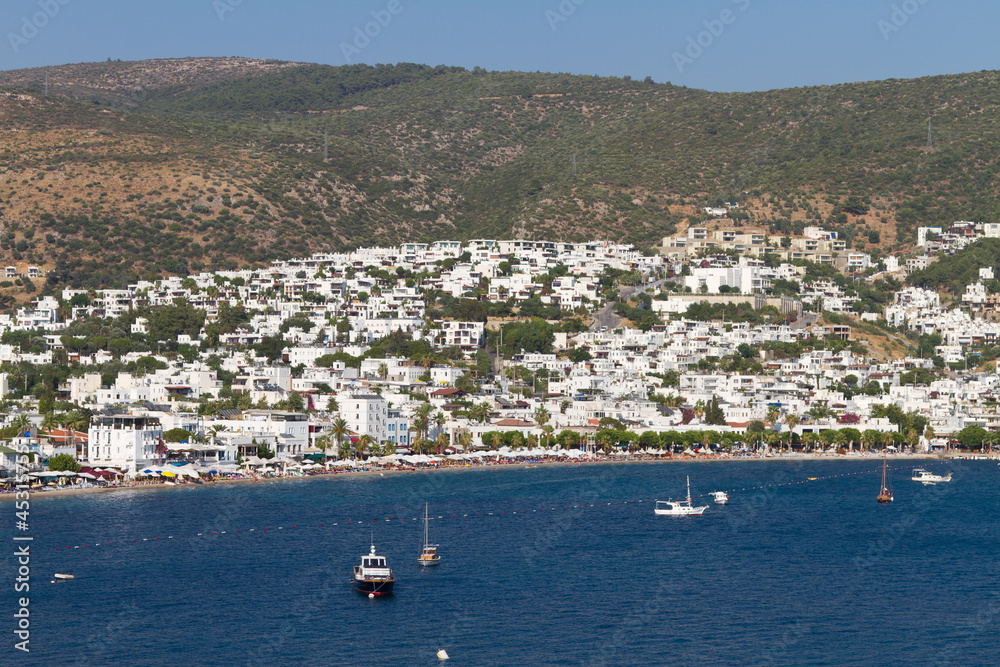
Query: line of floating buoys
[{"x": 362, "y": 522}]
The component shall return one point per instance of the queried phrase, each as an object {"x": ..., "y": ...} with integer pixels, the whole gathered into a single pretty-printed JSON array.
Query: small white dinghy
[{"x": 720, "y": 497}]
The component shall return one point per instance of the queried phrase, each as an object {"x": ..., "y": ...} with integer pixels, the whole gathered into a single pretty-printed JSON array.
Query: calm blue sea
[{"x": 812, "y": 573}]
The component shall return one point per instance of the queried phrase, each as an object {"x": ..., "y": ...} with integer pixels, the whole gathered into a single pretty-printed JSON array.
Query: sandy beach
[{"x": 60, "y": 492}]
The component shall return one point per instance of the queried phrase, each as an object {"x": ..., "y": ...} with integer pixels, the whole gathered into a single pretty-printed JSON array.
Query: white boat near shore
[
  {"x": 927, "y": 478},
  {"x": 679, "y": 507}
]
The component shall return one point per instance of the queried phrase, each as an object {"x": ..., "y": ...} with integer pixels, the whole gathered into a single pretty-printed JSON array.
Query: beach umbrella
[{"x": 86, "y": 475}]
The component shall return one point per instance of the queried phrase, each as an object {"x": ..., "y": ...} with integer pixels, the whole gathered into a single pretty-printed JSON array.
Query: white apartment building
[
  {"x": 397, "y": 427},
  {"x": 742, "y": 279},
  {"x": 365, "y": 414},
  {"x": 469, "y": 336},
  {"x": 123, "y": 441},
  {"x": 288, "y": 430}
]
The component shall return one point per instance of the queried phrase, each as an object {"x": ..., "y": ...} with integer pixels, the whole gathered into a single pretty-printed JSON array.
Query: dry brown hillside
[{"x": 138, "y": 169}]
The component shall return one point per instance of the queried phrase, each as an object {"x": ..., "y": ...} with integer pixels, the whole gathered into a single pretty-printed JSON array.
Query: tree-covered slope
[{"x": 222, "y": 163}]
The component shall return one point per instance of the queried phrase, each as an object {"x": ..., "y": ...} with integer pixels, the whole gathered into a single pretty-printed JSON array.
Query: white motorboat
[
  {"x": 928, "y": 478},
  {"x": 679, "y": 507},
  {"x": 720, "y": 497},
  {"x": 429, "y": 555},
  {"x": 373, "y": 576}
]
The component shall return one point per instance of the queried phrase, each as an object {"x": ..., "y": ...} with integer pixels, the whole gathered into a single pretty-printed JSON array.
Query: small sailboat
[
  {"x": 429, "y": 555},
  {"x": 885, "y": 494},
  {"x": 679, "y": 507}
]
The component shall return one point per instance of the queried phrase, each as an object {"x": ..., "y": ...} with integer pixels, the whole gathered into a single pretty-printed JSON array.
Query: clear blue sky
[{"x": 759, "y": 44}]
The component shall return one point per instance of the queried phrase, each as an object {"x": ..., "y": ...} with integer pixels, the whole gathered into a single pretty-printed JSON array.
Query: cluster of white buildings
[{"x": 352, "y": 299}]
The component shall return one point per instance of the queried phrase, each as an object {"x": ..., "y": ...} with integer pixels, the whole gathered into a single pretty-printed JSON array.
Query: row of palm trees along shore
[
  {"x": 614, "y": 435},
  {"x": 610, "y": 434}
]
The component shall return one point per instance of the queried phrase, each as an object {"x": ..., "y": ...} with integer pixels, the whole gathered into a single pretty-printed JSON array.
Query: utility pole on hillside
[
  {"x": 574, "y": 164},
  {"x": 930, "y": 146},
  {"x": 326, "y": 147}
]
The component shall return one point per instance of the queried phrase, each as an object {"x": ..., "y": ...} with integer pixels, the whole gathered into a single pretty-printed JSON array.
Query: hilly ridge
[{"x": 219, "y": 162}]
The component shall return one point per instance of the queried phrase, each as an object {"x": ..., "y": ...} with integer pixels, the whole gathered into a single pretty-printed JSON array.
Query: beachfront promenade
[{"x": 165, "y": 477}]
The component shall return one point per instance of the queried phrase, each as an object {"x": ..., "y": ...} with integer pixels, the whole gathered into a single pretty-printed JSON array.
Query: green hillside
[
  {"x": 224, "y": 165},
  {"x": 953, "y": 273}
]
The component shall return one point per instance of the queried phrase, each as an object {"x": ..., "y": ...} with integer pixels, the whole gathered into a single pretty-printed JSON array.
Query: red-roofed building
[{"x": 513, "y": 423}]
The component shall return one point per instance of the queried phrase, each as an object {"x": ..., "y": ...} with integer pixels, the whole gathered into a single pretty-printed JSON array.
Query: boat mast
[{"x": 883, "y": 471}]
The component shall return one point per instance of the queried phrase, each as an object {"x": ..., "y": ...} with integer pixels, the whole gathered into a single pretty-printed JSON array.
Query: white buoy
[
  {"x": 442, "y": 655},
  {"x": 371, "y": 596}
]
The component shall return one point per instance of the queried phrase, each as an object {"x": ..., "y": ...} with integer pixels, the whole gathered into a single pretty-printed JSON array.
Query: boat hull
[
  {"x": 693, "y": 511},
  {"x": 379, "y": 587},
  {"x": 428, "y": 562},
  {"x": 927, "y": 478}
]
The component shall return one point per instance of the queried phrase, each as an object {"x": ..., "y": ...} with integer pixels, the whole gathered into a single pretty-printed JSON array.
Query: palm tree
[
  {"x": 439, "y": 421},
  {"x": 363, "y": 444},
  {"x": 517, "y": 440},
  {"x": 415, "y": 441},
  {"x": 49, "y": 422},
  {"x": 991, "y": 439},
  {"x": 76, "y": 421},
  {"x": 383, "y": 371},
  {"x": 542, "y": 418},
  {"x": 487, "y": 411},
  {"x": 769, "y": 438},
  {"x": 423, "y": 419},
  {"x": 547, "y": 430},
  {"x": 792, "y": 420},
  {"x": 339, "y": 431},
  {"x": 215, "y": 431},
  {"x": 23, "y": 423},
  {"x": 772, "y": 415},
  {"x": 465, "y": 439},
  {"x": 323, "y": 443}
]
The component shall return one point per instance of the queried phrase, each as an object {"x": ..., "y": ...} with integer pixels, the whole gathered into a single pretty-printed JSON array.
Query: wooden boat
[
  {"x": 429, "y": 555},
  {"x": 885, "y": 494}
]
